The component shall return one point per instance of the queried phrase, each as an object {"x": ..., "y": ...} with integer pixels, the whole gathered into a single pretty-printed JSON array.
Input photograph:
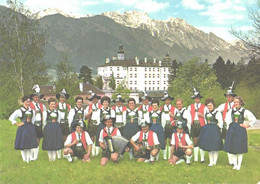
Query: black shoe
[{"x": 202, "y": 162}]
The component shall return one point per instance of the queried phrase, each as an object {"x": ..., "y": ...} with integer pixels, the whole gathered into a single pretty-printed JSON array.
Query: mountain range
[{"x": 90, "y": 39}]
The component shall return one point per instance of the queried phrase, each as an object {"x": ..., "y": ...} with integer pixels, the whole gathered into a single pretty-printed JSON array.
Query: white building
[{"x": 136, "y": 74}]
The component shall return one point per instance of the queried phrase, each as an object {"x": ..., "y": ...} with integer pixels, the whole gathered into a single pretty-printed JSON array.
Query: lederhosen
[
  {"x": 148, "y": 141},
  {"x": 64, "y": 122},
  {"x": 169, "y": 126},
  {"x": 80, "y": 150},
  {"x": 93, "y": 124},
  {"x": 78, "y": 117},
  {"x": 119, "y": 125},
  {"x": 105, "y": 152},
  {"x": 179, "y": 117},
  {"x": 38, "y": 124},
  {"x": 179, "y": 152},
  {"x": 197, "y": 124}
]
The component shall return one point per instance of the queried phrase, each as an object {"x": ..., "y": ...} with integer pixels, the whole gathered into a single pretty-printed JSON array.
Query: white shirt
[
  {"x": 52, "y": 113},
  {"x": 72, "y": 114},
  {"x": 106, "y": 112},
  {"x": 187, "y": 139},
  {"x": 247, "y": 115},
  {"x": 101, "y": 138},
  {"x": 38, "y": 116},
  {"x": 119, "y": 118},
  {"x": 18, "y": 114},
  {"x": 186, "y": 115},
  {"x": 87, "y": 138},
  {"x": 143, "y": 115},
  {"x": 165, "y": 116},
  {"x": 62, "y": 106},
  {"x": 155, "y": 137},
  {"x": 218, "y": 116},
  {"x": 222, "y": 106},
  {"x": 95, "y": 112},
  {"x": 130, "y": 113},
  {"x": 197, "y": 106}
]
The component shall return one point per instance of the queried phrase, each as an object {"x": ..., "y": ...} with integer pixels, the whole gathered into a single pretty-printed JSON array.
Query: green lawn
[{"x": 14, "y": 170}]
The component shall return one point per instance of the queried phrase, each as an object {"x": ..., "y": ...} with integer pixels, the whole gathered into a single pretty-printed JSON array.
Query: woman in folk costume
[
  {"x": 224, "y": 108},
  {"x": 183, "y": 115},
  {"x": 52, "y": 135},
  {"x": 181, "y": 145},
  {"x": 104, "y": 111},
  {"x": 210, "y": 135},
  {"x": 167, "y": 120},
  {"x": 130, "y": 119},
  {"x": 155, "y": 121},
  {"x": 38, "y": 108},
  {"x": 77, "y": 114},
  {"x": 108, "y": 130},
  {"x": 145, "y": 109},
  {"x": 236, "y": 140},
  {"x": 119, "y": 110},
  {"x": 26, "y": 139},
  {"x": 64, "y": 109},
  {"x": 197, "y": 111},
  {"x": 93, "y": 116},
  {"x": 145, "y": 143}
]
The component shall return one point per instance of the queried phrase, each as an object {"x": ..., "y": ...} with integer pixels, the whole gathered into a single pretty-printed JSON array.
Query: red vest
[
  {"x": 113, "y": 133},
  {"x": 201, "y": 110},
  {"x": 99, "y": 106},
  {"x": 225, "y": 110},
  {"x": 150, "y": 137},
  {"x": 33, "y": 107},
  {"x": 171, "y": 110},
  {"x": 150, "y": 108},
  {"x": 83, "y": 139},
  {"x": 183, "y": 142},
  {"x": 123, "y": 108},
  {"x": 56, "y": 105}
]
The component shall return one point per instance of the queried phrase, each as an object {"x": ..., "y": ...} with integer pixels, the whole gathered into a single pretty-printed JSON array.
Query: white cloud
[
  {"x": 192, "y": 4},
  {"x": 149, "y": 6}
]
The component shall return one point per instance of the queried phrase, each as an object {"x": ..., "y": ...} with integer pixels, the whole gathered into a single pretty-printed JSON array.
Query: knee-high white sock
[
  {"x": 239, "y": 161},
  {"x": 54, "y": 155},
  {"x": 35, "y": 153},
  {"x": 196, "y": 153},
  {"x": 59, "y": 154},
  {"x": 157, "y": 156},
  {"x": 229, "y": 158},
  {"x": 50, "y": 155},
  {"x": 28, "y": 153},
  {"x": 188, "y": 158},
  {"x": 211, "y": 158},
  {"x": 152, "y": 158},
  {"x": 169, "y": 151},
  {"x": 93, "y": 151},
  {"x": 164, "y": 152},
  {"x": 97, "y": 150},
  {"x": 23, "y": 155},
  {"x": 202, "y": 153},
  {"x": 235, "y": 161},
  {"x": 131, "y": 156},
  {"x": 215, "y": 157}
]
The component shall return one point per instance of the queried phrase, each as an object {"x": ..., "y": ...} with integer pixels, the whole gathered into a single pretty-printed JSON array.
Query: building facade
[{"x": 136, "y": 74}]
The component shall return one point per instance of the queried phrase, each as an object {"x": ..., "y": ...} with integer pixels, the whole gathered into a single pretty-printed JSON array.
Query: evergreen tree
[
  {"x": 85, "y": 74},
  {"x": 112, "y": 82},
  {"x": 99, "y": 82},
  {"x": 173, "y": 69},
  {"x": 220, "y": 69},
  {"x": 123, "y": 90}
]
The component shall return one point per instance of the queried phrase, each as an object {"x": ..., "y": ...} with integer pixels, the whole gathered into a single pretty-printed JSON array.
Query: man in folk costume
[
  {"x": 38, "y": 108},
  {"x": 183, "y": 115},
  {"x": 78, "y": 144},
  {"x": 143, "y": 110},
  {"x": 93, "y": 116},
  {"x": 64, "y": 109},
  {"x": 167, "y": 120},
  {"x": 181, "y": 146},
  {"x": 197, "y": 111},
  {"x": 108, "y": 130},
  {"x": 77, "y": 114},
  {"x": 224, "y": 108},
  {"x": 119, "y": 110},
  {"x": 145, "y": 143}
]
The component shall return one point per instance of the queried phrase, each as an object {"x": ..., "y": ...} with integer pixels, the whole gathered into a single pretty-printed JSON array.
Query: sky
[{"x": 217, "y": 16}]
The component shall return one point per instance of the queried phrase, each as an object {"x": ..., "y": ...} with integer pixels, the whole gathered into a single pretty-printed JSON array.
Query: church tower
[{"x": 121, "y": 53}]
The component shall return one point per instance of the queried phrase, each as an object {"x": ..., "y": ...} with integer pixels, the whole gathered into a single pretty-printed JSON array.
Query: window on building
[
  {"x": 153, "y": 82},
  {"x": 164, "y": 69},
  {"x": 164, "y": 82},
  {"x": 153, "y": 75},
  {"x": 130, "y": 88},
  {"x": 158, "y": 82},
  {"x": 158, "y": 69},
  {"x": 144, "y": 88},
  {"x": 117, "y": 75},
  {"x": 117, "y": 82},
  {"x": 135, "y": 82},
  {"x": 149, "y": 75},
  {"x": 117, "y": 68},
  {"x": 131, "y": 82},
  {"x": 164, "y": 75},
  {"x": 149, "y": 69},
  {"x": 153, "y": 69},
  {"x": 158, "y": 76},
  {"x": 158, "y": 88},
  {"x": 136, "y": 75},
  {"x": 131, "y": 69},
  {"x": 145, "y": 82},
  {"x": 135, "y": 69},
  {"x": 145, "y": 75},
  {"x": 145, "y": 69},
  {"x": 149, "y": 82},
  {"x": 110, "y": 68},
  {"x": 131, "y": 75}
]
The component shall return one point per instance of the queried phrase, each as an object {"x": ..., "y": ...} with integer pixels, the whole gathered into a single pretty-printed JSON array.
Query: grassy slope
[{"x": 13, "y": 170}]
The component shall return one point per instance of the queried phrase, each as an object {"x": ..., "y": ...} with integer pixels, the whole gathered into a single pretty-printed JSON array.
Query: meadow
[{"x": 13, "y": 170}]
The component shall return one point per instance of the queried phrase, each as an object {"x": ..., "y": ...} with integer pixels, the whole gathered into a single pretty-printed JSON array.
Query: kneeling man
[
  {"x": 147, "y": 146},
  {"x": 78, "y": 144},
  {"x": 181, "y": 146}
]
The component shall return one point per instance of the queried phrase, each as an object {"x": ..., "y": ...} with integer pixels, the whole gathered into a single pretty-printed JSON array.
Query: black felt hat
[
  {"x": 94, "y": 95},
  {"x": 166, "y": 96},
  {"x": 196, "y": 94},
  {"x": 37, "y": 90},
  {"x": 62, "y": 93},
  {"x": 230, "y": 91},
  {"x": 145, "y": 97},
  {"x": 119, "y": 98}
]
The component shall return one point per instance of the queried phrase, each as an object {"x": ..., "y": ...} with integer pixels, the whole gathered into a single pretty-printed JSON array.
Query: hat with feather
[
  {"x": 230, "y": 91},
  {"x": 166, "y": 96},
  {"x": 37, "y": 90},
  {"x": 63, "y": 93},
  {"x": 196, "y": 94}
]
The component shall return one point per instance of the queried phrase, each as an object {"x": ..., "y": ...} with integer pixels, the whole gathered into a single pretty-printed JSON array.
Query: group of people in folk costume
[{"x": 147, "y": 128}]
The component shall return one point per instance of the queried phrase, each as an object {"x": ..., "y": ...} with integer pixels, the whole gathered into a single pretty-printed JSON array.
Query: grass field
[{"x": 14, "y": 170}]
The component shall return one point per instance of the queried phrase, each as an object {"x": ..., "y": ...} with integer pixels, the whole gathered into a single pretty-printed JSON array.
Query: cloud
[
  {"x": 192, "y": 4},
  {"x": 150, "y": 6}
]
